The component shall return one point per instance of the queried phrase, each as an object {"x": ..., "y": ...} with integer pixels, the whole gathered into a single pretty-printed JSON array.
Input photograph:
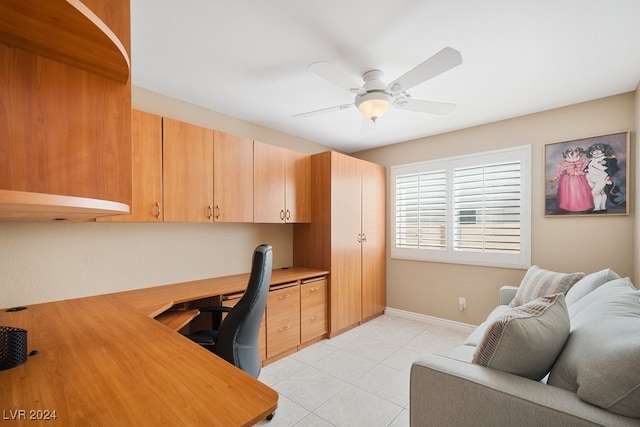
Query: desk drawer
[
  {"x": 283, "y": 320},
  {"x": 313, "y": 310}
]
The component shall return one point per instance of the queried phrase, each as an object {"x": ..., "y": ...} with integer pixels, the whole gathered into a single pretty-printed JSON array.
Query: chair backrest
[{"x": 238, "y": 341}]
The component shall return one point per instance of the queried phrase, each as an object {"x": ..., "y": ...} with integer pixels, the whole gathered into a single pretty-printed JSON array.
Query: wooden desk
[
  {"x": 158, "y": 299},
  {"x": 102, "y": 363}
]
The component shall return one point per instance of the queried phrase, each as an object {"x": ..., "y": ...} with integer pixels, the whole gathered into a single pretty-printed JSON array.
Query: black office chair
[{"x": 235, "y": 339}]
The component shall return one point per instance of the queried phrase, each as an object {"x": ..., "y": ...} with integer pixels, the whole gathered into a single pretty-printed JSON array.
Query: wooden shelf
[
  {"x": 25, "y": 206},
  {"x": 177, "y": 319},
  {"x": 66, "y": 31}
]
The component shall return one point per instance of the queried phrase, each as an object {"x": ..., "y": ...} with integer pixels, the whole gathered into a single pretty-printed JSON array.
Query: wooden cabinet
[
  {"x": 313, "y": 309},
  {"x": 65, "y": 94},
  {"x": 282, "y": 185},
  {"x": 233, "y": 178},
  {"x": 283, "y": 319},
  {"x": 347, "y": 237},
  {"x": 146, "y": 160},
  {"x": 187, "y": 152}
]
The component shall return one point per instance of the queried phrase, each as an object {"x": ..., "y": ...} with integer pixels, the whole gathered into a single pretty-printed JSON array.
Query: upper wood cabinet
[
  {"x": 282, "y": 184},
  {"x": 66, "y": 127},
  {"x": 146, "y": 153},
  {"x": 232, "y": 178},
  {"x": 187, "y": 152}
]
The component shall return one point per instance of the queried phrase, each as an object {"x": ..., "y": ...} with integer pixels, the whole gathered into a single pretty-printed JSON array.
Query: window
[{"x": 471, "y": 210}]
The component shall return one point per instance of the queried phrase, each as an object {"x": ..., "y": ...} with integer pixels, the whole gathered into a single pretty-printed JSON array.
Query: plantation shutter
[
  {"x": 421, "y": 210},
  {"x": 487, "y": 206}
]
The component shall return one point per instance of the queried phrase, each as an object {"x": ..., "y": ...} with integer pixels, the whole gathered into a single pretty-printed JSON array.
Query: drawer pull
[
  {"x": 283, "y": 297},
  {"x": 284, "y": 328},
  {"x": 316, "y": 317},
  {"x": 314, "y": 289}
]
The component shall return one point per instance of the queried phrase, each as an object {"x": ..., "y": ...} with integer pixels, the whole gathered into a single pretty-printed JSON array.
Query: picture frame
[{"x": 587, "y": 176}]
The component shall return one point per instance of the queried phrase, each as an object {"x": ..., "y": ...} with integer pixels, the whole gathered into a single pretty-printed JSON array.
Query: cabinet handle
[
  {"x": 281, "y": 297},
  {"x": 281, "y": 214},
  {"x": 284, "y": 328},
  {"x": 158, "y": 211},
  {"x": 316, "y": 317},
  {"x": 364, "y": 237},
  {"x": 359, "y": 237},
  {"x": 314, "y": 289},
  {"x": 288, "y": 215},
  {"x": 217, "y": 211}
]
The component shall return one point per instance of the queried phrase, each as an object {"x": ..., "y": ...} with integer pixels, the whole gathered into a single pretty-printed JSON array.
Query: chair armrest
[
  {"x": 506, "y": 294},
  {"x": 445, "y": 391}
]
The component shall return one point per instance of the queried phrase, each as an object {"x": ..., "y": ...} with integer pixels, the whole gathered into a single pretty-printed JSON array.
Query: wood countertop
[{"x": 102, "y": 363}]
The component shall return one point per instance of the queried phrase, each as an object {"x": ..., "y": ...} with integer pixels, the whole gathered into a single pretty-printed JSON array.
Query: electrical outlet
[{"x": 462, "y": 303}]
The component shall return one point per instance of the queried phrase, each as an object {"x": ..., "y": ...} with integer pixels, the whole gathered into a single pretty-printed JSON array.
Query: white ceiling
[{"x": 248, "y": 58}]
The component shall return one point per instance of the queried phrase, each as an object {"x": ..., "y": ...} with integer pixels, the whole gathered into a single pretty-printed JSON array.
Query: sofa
[{"x": 561, "y": 349}]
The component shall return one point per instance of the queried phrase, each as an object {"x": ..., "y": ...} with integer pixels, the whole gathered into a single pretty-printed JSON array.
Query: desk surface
[
  {"x": 102, "y": 363},
  {"x": 155, "y": 300}
]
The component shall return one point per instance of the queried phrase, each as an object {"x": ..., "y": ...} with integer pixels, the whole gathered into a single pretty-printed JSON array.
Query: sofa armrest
[
  {"x": 506, "y": 294},
  {"x": 448, "y": 392}
]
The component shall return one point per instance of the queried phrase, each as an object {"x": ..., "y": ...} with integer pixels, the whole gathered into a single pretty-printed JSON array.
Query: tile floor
[{"x": 359, "y": 378}]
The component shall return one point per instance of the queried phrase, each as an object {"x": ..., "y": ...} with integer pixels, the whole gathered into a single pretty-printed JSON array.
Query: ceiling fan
[{"x": 375, "y": 97}]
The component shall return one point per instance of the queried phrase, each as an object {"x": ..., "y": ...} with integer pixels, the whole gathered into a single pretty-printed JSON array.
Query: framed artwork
[{"x": 588, "y": 176}]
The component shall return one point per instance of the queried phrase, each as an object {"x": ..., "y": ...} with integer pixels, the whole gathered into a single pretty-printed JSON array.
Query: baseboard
[{"x": 423, "y": 317}]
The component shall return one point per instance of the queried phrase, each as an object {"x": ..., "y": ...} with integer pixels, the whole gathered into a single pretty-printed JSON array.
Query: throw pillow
[
  {"x": 526, "y": 340},
  {"x": 600, "y": 360},
  {"x": 538, "y": 282},
  {"x": 588, "y": 283}
]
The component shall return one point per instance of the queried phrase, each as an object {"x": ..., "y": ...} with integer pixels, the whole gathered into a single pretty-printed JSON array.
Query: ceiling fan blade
[
  {"x": 335, "y": 76},
  {"x": 324, "y": 110},
  {"x": 421, "y": 106},
  {"x": 442, "y": 61}
]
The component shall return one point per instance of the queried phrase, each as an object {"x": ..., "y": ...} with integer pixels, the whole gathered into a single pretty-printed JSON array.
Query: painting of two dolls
[{"x": 587, "y": 176}]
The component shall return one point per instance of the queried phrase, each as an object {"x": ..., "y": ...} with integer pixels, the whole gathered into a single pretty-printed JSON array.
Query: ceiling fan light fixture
[{"x": 374, "y": 104}]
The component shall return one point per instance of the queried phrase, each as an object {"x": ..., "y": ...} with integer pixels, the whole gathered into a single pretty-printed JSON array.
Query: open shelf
[
  {"x": 22, "y": 205},
  {"x": 66, "y": 31}
]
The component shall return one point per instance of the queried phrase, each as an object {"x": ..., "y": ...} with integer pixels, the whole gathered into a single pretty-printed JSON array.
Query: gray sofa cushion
[
  {"x": 526, "y": 340},
  {"x": 538, "y": 282},
  {"x": 589, "y": 283},
  {"x": 600, "y": 359}
]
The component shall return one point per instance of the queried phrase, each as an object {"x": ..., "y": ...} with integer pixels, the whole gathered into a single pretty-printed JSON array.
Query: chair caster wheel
[{"x": 270, "y": 416}]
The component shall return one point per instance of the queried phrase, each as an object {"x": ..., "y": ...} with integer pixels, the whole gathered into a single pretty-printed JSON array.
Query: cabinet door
[
  {"x": 346, "y": 257},
  {"x": 313, "y": 309},
  {"x": 146, "y": 162},
  {"x": 373, "y": 241},
  {"x": 233, "y": 178},
  {"x": 297, "y": 187},
  {"x": 188, "y": 172},
  {"x": 283, "y": 320},
  {"x": 268, "y": 183}
]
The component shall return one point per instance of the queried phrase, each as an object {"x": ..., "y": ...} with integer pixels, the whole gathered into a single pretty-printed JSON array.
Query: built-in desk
[{"x": 101, "y": 362}]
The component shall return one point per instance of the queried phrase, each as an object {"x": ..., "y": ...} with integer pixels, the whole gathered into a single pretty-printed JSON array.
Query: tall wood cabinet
[
  {"x": 282, "y": 185},
  {"x": 346, "y": 237}
]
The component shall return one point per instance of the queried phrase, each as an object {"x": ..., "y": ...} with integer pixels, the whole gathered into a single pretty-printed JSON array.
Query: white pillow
[
  {"x": 527, "y": 339},
  {"x": 600, "y": 360},
  {"x": 538, "y": 282},
  {"x": 589, "y": 283}
]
